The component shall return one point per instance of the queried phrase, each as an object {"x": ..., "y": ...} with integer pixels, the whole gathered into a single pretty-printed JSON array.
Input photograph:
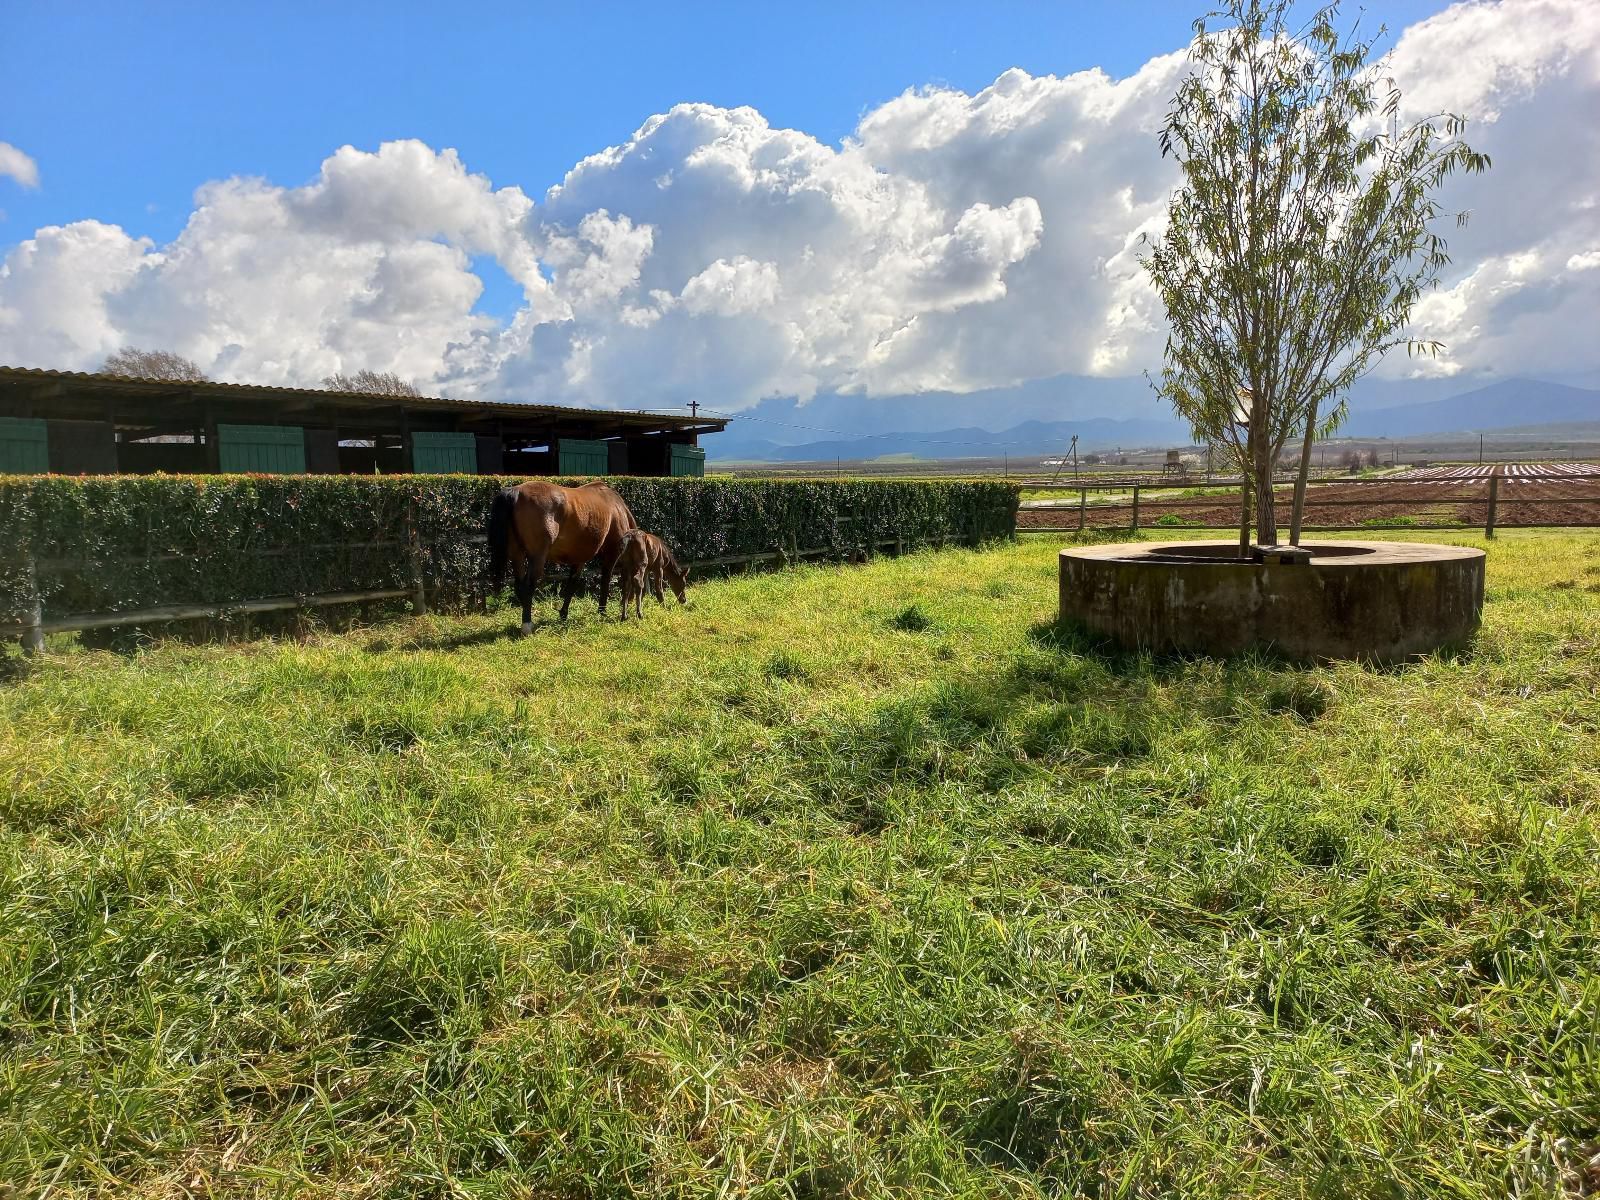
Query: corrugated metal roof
[{"x": 363, "y": 399}]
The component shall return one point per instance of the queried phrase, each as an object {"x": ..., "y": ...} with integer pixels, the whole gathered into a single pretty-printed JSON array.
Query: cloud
[
  {"x": 955, "y": 242},
  {"x": 55, "y": 292},
  {"x": 1481, "y": 59},
  {"x": 1526, "y": 74},
  {"x": 367, "y": 265},
  {"x": 14, "y": 164}
]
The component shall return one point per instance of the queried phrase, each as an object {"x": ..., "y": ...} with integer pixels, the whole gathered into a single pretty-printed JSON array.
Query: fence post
[
  {"x": 1135, "y": 528},
  {"x": 1494, "y": 501},
  {"x": 33, "y": 615},
  {"x": 1083, "y": 507},
  {"x": 419, "y": 593}
]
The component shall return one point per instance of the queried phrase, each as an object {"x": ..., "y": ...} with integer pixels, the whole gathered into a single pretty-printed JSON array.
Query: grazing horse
[
  {"x": 541, "y": 524},
  {"x": 644, "y": 563}
]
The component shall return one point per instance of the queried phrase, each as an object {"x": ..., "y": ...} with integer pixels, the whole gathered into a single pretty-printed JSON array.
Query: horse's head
[{"x": 677, "y": 578}]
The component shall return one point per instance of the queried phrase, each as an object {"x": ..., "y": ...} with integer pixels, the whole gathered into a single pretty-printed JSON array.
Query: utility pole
[
  {"x": 1062, "y": 461},
  {"x": 694, "y": 409},
  {"x": 1480, "y": 449}
]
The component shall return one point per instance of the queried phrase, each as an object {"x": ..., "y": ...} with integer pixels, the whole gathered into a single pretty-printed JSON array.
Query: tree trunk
[
  {"x": 1299, "y": 508},
  {"x": 1244, "y": 514},
  {"x": 1266, "y": 514}
]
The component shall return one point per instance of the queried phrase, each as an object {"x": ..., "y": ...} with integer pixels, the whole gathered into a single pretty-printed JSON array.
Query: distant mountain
[
  {"x": 1028, "y": 438},
  {"x": 1511, "y": 403},
  {"x": 1560, "y": 431},
  {"x": 785, "y": 421},
  {"x": 773, "y": 431}
]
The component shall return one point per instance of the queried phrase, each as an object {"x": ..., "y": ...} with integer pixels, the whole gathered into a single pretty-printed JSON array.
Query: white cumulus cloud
[
  {"x": 14, "y": 164},
  {"x": 1526, "y": 74},
  {"x": 954, "y": 242}
]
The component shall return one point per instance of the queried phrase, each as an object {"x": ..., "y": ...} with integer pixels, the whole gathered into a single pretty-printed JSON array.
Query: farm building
[{"x": 74, "y": 423}]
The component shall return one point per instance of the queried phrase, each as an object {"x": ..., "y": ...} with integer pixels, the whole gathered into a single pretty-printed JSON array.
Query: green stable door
[
  {"x": 264, "y": 449},
  {"x": 576, "y": 457},
  {"x": 444, "y": 454},
  {"x": 688, "y": 461},
  {"x": 24, "y": 446}
]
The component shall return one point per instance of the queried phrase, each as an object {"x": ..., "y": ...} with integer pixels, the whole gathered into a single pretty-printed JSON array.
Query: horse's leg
[
  {"x": 570, "y": 589},
  {"x": 527, "y": 579},
  {"x": 524, "y": 583},
  {"x": 610, "y": 551}
]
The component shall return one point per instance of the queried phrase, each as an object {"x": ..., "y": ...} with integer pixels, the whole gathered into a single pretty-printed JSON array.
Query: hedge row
[{"x": 119, "y": 543}]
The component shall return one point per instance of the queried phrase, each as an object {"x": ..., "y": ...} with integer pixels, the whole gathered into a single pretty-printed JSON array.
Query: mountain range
[
  {"x": 1507, "y": 404},
  {"x": 1511, "y": 403},
  {"x": 970, "y": 441}
]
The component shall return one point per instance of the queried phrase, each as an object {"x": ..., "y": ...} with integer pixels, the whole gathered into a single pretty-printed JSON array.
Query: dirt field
[{"x": 1546, "y": 494}]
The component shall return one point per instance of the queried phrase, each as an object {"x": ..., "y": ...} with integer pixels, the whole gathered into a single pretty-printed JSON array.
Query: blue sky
[
  {"x": 128, "y": 107},
  {"x": 972, "y": 239}
]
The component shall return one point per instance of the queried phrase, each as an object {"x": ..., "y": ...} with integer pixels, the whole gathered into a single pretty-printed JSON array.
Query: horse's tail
[{"x": 500, "y": 532}]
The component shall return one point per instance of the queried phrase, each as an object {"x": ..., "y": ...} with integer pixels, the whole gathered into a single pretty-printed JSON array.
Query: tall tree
[
  {"x": 153, "y": 364},
  {"x": 376, "y": 383},
  {"x": 1300, "y": 238}
]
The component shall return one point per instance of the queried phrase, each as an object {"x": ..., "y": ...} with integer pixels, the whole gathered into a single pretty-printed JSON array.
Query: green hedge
[{"x": 112, "y": 543}]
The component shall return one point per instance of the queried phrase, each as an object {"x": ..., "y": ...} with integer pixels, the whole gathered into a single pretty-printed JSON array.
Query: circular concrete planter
[{"x": 1375, "y": 600}]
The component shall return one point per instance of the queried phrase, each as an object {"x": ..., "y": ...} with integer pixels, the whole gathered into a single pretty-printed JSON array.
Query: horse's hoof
[{"x": 527, "y": 629}]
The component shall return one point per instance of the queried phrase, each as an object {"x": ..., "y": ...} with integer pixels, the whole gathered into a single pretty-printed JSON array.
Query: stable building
[{"x": 77, "y": 423}]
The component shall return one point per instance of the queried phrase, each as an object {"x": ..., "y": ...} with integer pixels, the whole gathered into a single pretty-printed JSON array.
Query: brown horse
[
  {"x": 645, "y": 562},
  {"x": 541, "y": 524}
]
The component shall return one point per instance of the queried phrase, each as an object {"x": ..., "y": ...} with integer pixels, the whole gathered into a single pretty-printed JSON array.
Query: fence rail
[
  {"x": 100, "y": 552},
  {"x": 32, "y": 631},
  {"x": 1483, "y": 500}
]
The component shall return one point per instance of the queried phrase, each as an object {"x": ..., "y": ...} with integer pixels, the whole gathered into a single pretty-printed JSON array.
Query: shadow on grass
[
  {"x": 507, "y": 629},
  {"x": 1064, "y": 703},
  {"x": 1069, "y": 637},
  {"x": 459, "y": 640},
  {"x": 1455, "y": 654},
  {"x": 14, "y": 667},
  {"x": 1061, "y": 636}
]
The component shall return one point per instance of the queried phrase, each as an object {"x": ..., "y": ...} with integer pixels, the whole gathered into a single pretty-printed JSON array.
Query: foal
[{"x": 645, "y": 562}]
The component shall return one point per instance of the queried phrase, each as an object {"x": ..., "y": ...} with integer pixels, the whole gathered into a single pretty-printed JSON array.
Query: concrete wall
[{"x": 1377, "y": 600}]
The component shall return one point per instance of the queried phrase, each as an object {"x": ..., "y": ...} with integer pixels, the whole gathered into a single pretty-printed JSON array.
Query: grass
[{"x": 864, "y": 881}]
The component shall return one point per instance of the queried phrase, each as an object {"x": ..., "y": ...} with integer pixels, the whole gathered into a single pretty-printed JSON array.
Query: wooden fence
[
  {"x": 31, "y": 630},
  {"x": 1499, "y": 498}
]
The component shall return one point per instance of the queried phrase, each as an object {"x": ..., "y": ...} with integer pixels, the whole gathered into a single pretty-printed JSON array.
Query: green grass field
[{"x": 837, "y": 882}]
